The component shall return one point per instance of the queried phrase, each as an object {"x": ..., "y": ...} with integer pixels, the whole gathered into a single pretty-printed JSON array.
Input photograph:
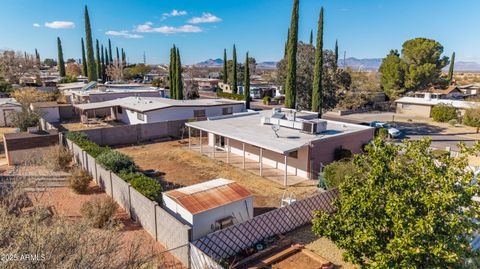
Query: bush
[
  {"x": 472, "y": 118},
  {"x": 443, "y": 113},
  {"x": 81, "y": 139},
  {"x": 76, "y": 136},
  {"x": 342, "y": 153},
  {"x": 440, "y": 153},
  {"x": 382, "y": 133},
  {"x": 68, "y": 79},
  {"x": 24, "y": 119},
  {"x": 266, "y": 100},
  {"x": 453, "y": 122},
  {"x": 336, "y": 172},
  {"x": 234, "y": 96},
  {"x": 116, "y": 162},
  {"x": 147, "y": 186},
  {"x": 79, "y": 180},
  {"x": 57, "y": 158},
  {"x": 99, "y": 211}
]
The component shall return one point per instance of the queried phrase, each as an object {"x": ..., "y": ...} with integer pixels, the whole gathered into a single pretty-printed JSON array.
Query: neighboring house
[
  {"x": 210, "y": 206},
  {"x": 111, "y": 93},
  {"x": 257, "y": 91},
  {"x": 470, "y": 89},
  {"x": 205, "y": 83},
  {"x": 138, "y": 110},
  {"x": 7, "y": 107},
  {"x": 422, "y": 107},
  {"x": 452, "y": 92},
  {"x": 47, "y": 110},
  {"x": 294, "y": 142}
]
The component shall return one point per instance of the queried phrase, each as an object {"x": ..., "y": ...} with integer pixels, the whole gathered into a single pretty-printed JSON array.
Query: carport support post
[
  {"x": 201, "y": 149},
  {"x": 261, "y": 161},
  {"x": 214, "y": 146},
  {"x": 243, "y": 147},
  {"x": 189, "y": 138},
  {"x": 286, "y": 168},
  {"x": 228, "y": 150}
]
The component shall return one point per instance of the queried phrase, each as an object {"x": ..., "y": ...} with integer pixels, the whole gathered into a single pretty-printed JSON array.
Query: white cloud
[
  {"x": 60, "y": 25},
  {"x": 148, "y": 28},
  {"x": 36, "y": 25},
  {"x": 174, "y": 13},
  {"x": 124, "y": 34},
  {"x": 205, "y": 18}
]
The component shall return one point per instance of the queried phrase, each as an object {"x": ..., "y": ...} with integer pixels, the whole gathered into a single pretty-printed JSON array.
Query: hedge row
[
  {"x": 233, "y": 96},
  {"x": 120, "y": 164}
]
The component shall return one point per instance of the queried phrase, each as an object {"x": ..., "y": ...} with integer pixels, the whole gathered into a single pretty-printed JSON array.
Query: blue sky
[{"x": 202, "y": 28}]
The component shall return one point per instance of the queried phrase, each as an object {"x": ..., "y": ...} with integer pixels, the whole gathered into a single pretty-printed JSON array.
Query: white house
[
  {"x": 422, "y": 107},
  {"x": 138, "y": 110},
  {"x": 48, "y": 110},
  {"x": 210, "y": 206},
  {"x": 7, "y": 107}
]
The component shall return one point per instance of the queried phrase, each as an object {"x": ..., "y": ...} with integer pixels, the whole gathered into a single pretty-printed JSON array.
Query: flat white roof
[
  {"x": 114, "y": 90},
  {"x": 433, "y": 102},
  {"x": 250, "y": 130},
  {"x": 144, "y": 104},
  {"x": 9, "y": 101}
]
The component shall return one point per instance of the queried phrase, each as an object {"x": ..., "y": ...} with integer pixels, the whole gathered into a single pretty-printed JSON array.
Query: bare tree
[
  {"x": 14, "y": 65},
  {"x": 116, "y": 71}
]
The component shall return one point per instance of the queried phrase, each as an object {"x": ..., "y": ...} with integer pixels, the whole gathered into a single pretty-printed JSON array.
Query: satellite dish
[{"x": 275, "y": 129}]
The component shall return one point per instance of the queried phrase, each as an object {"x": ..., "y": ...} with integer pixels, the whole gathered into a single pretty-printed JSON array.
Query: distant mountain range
[{"x": 371, "y": 64}]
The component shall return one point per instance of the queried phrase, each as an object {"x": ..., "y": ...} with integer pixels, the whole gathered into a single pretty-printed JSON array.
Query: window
[
  {"x": 293, "y": 154},
  {"x": 199, "y": 113},
  {"x": 140, "y": 116},
  {"x": 119, "y": 110},
  {"x": 407, "y": 106},
  {"x": 227, "y": 110}
]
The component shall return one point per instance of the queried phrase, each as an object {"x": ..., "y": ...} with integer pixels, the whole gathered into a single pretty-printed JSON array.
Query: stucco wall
[{"x": 414, "y": 110}]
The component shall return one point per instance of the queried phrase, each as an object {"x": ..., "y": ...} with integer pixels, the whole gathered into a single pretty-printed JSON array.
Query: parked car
[{"x": 392, "y": 132}]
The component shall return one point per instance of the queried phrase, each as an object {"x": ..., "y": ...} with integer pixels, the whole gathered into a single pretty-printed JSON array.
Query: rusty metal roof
[{"x": 208, "y": 195}]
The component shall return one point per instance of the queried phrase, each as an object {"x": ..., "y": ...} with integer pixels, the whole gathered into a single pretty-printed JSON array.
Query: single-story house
[
  {"x": 210, "y": 206},
  {"x": 470, "y": 89},
  {"x": 53, "y": 111},
  {"x": 111, "y": 93},
  {"x": 7, "y": 107},
  {"x": 452, "y": 92},
  {"x": 422, "y": 107},
  {"x": 295, "y": 142},
  {"x": 138, "y": 110}
]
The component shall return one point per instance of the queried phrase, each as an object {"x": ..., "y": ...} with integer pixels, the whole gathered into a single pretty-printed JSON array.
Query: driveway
[{"x": 442, "y": 134}]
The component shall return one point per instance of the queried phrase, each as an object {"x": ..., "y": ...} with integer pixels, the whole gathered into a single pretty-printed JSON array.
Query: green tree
[
  {"x": 124, "y": 58},
  {"x": 443, "y": 113},
  {"x": 118, "y": 55},
  {"x": 311, "y": 37},
  {"x": 291, "y": 79},
  {"x": 451, "y": 68},
  {"x": 336, "y": 172},
  {"x": 84, "y": 61},
  {"x": 472, "y": 118},
  {"x": 171, "y": 72},
  {"x": 392, "y": 72},
  {"x": 91, "y": 70},
  {"x": 178, "y": 77},
  {"x": 37, "y": 58},
  {"x": 24, "y": 119},
  {"x": 61, "y": 63},
  {"x": 98, "y": 62},
  {"x": 317, "y": 93},
  {"x": 225, "y": 72},
  {"x": 107, "y": 58},
  {"x": 110, "y": 55},
  {"x": 102, "y": 63},
  {"x": 401, "y": 209},
  {"x": 246, "y": 83},
  {"x": 234, "y": 71},
  {"x": 336, "y": 53}
]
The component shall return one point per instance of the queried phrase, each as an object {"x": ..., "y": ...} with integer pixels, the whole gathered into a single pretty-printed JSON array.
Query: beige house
[
  {"x": 296, "y": 143},
  {"x": 422, "y": 107}
]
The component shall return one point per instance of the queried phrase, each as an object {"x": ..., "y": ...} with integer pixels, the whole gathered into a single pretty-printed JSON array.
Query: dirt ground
[
  {"x": 321, "y": 246},
  {"x": 77, "y": 125},
  {"x": 297, "y": 260},
  {"x": 182, "y": 167},
  {"x": 6, "y": 130}
]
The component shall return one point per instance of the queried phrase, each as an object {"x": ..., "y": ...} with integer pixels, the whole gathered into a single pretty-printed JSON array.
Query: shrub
[
  {"x": 336, "y": 172},
  {"x": 341, "y": 153},
  {"x": 266, "y": 100},
  {"x": 68, "y": 79},
  {"x": 81, "y": 139},
  {"x": 99, "y": 211},
  {"x": 453, "y": 122},
  {"x": 24, "y": 119},
  {"x": 79, "y": 180},
  {"x": 234, "y": 96},
  {"x": 147, "y": 186},
  {"x": 116, "y": 162},
  {"x": 440, "y": 153},
  {"x": 443, "y": 113},
  {"x": 76, "y": 136},
  {"x": 472, "y": 118},
  {"x": 57, "y": 158},
  {"x": 382, "y": 133}
]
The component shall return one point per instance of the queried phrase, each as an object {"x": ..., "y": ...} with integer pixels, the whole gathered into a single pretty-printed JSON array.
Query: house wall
[
  {"x": 176, "y": 210},
  {"x": 67, "y": 112},
  {"x": 19, "y": 150},
  {"x": 5, "y": 114},
  {"x": 50, "y": 114},
  {"x": 414, "y": 110},
  {"x": 322, "y": 151},
  {"x": 203, "y": 221}
]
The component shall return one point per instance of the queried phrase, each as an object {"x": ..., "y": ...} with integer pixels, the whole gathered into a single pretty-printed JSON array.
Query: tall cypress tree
[
  {"x": 234, "y": 71},
  {"x": 317, "y": 94},
  {"x": 99, "y": 65},
  {"x": 336, "y": 53},
  {"x": 171, "y": 73},
  {"x": 110, "y": 55},
  {"x": 311, "y": 37},
  {"x": 286, "y": 44},
  {"x": 60, "y": 62},
  {"x": 450, "y": 70},
  {"x": 84, "y": 60},
  {"x": 291, "y": 80},
  {"x": 107, "y": 63},
  {"x": 123, "y": 57},
  {"x": 246, "y": 84},
  {"x": 102, "y": 63},
  {"x": 225, "y": 69},
  {"x": 91, "y": 70},
  {"x": 178, "y": 76},
  {"x": 118, "y": 55},
  {"x": 37, "y": 58}
]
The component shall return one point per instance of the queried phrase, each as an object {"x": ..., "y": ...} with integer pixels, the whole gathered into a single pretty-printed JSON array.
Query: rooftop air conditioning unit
[
  {"x": 309, "y": 127},
  {"x": 223, "y": 223}
]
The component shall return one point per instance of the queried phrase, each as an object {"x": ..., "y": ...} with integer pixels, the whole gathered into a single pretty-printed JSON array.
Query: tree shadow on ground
[{"x": 417, "y": 128}]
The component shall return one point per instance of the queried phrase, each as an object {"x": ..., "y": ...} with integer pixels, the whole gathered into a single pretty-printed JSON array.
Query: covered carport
[{"x": 97, "y": 110}]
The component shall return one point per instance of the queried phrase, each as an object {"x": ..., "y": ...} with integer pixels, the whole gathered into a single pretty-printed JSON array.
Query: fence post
[
  {"x": 129, "y": 201},
  {"x": 155, "y": 204},
  {"x": 86, "y": 162},
  {"x": 96, "y": 173},
  {"x": 111, "y": 184}
]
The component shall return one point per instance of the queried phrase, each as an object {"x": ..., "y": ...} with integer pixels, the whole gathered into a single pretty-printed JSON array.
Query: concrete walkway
[{"x": 268, "y": 172}]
